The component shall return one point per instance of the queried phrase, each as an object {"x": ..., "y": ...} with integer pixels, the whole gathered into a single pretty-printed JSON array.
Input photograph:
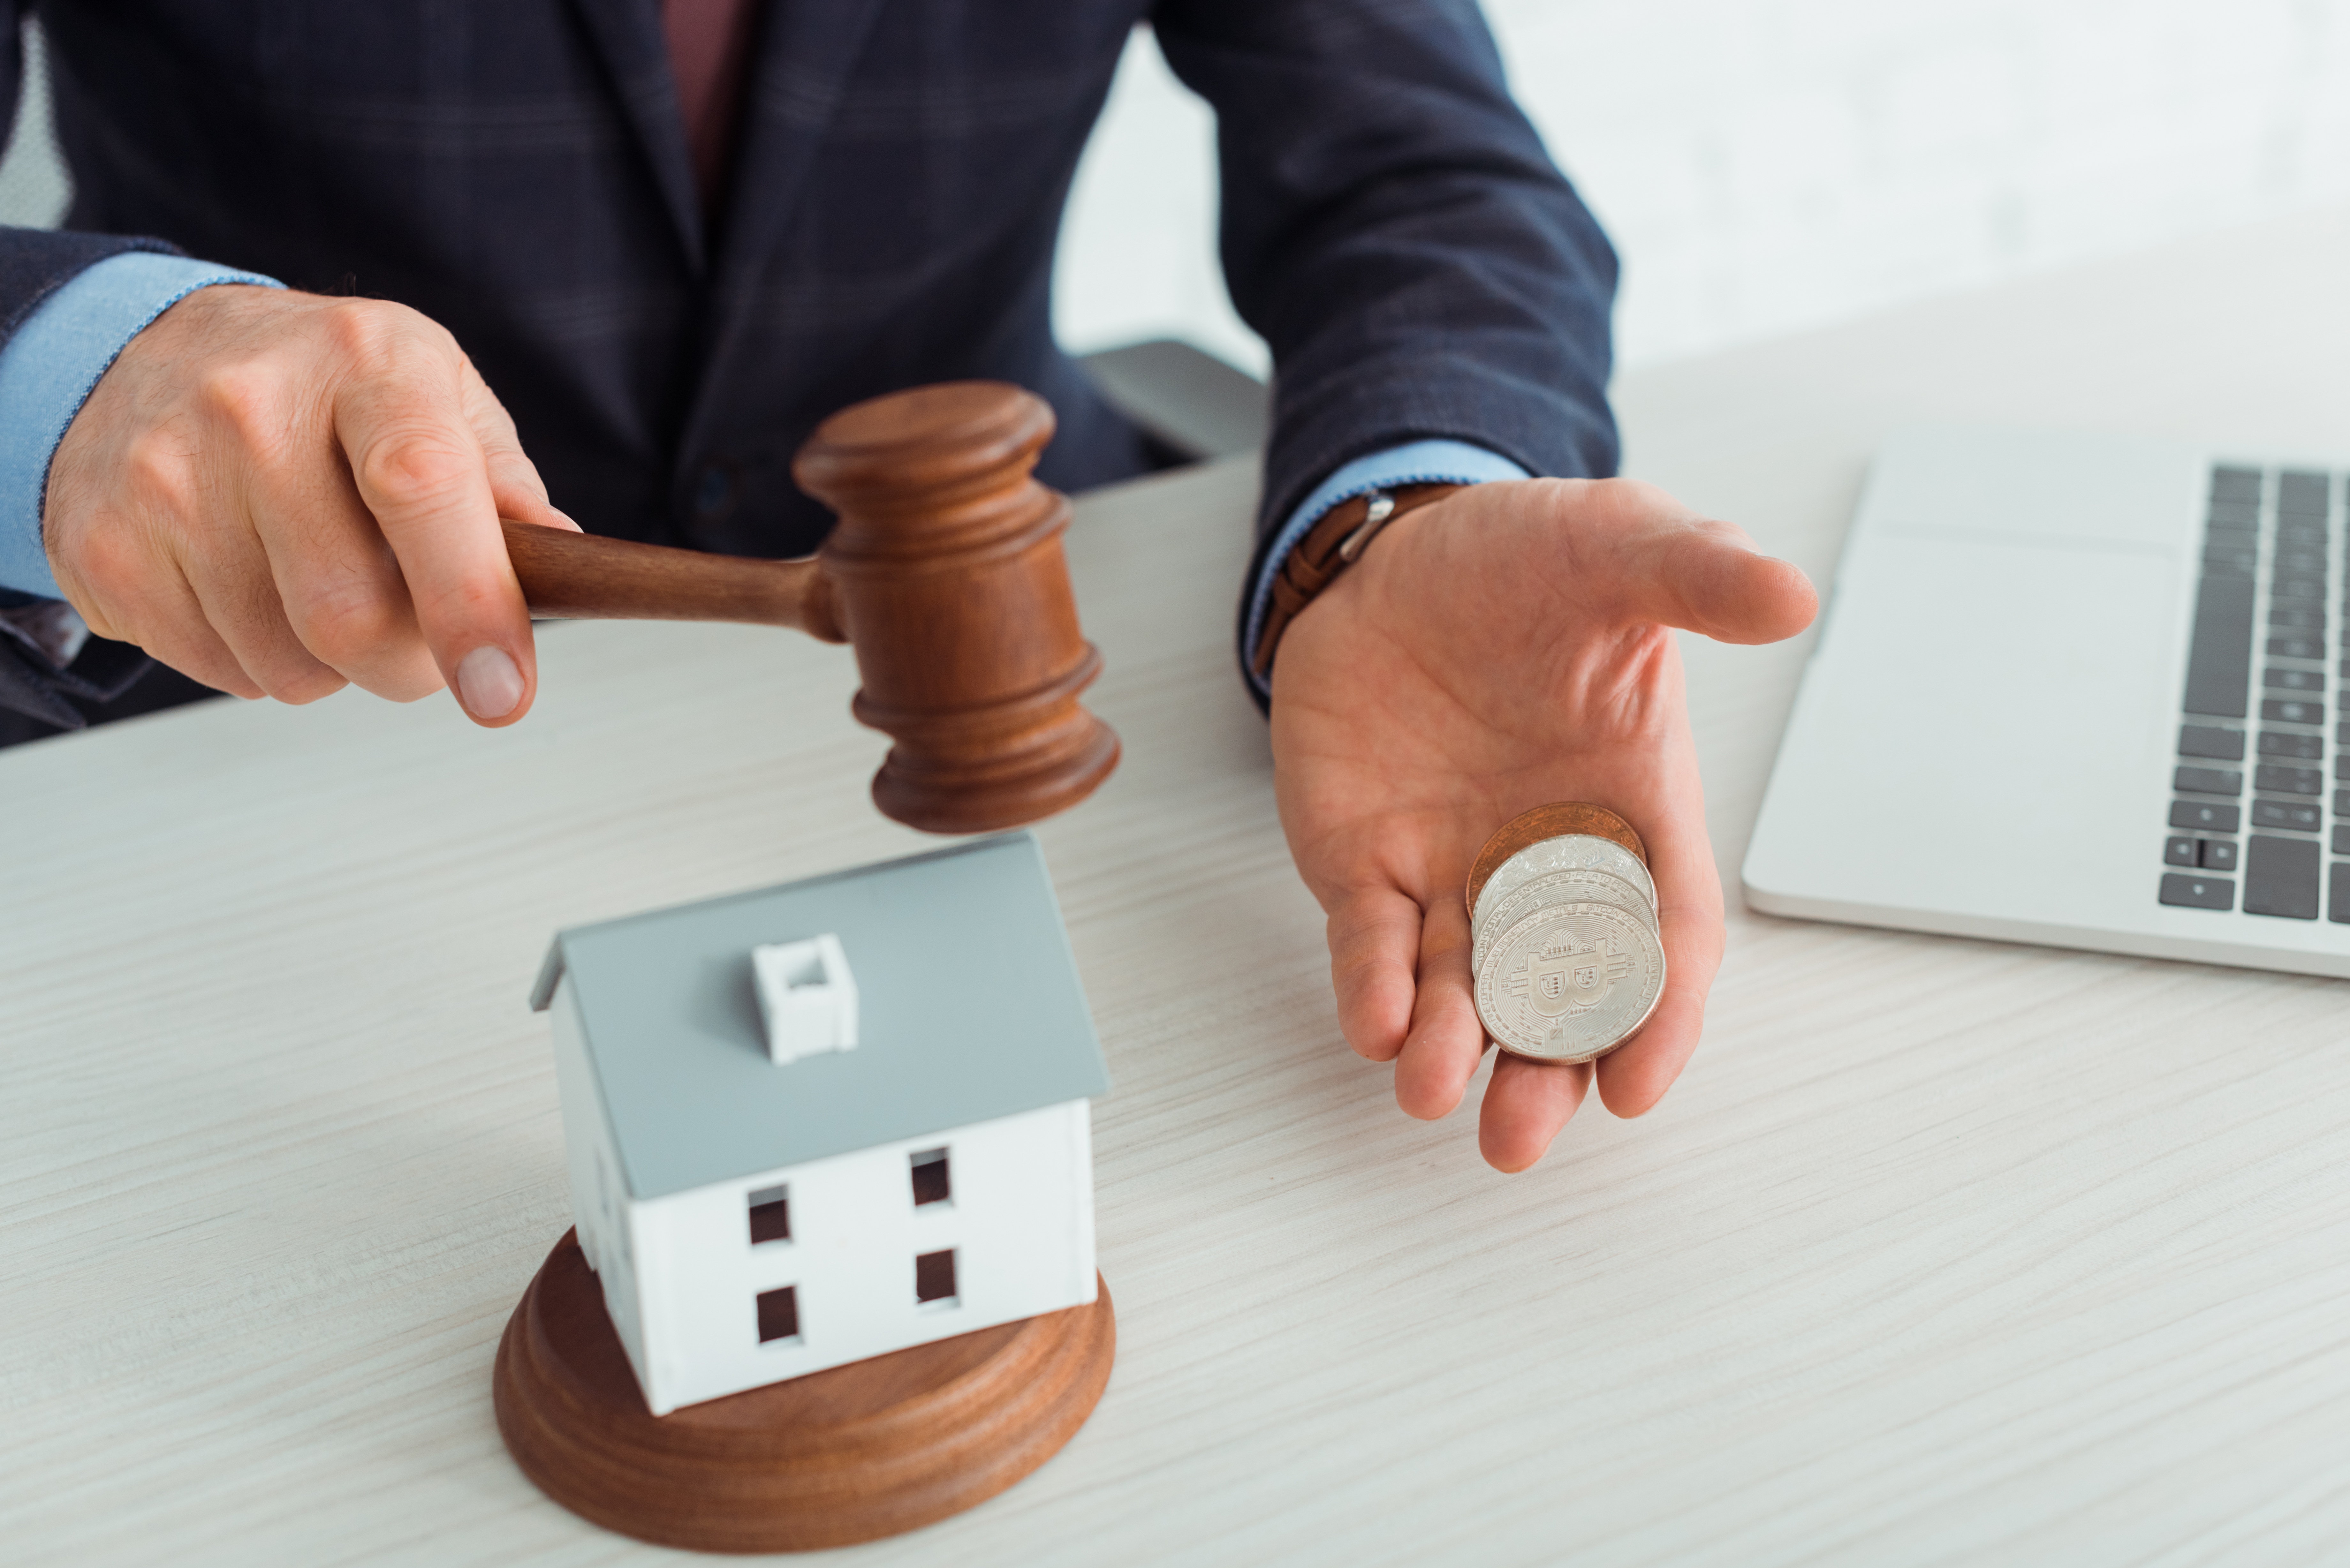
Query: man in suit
[{"x": 247, "y": 421}]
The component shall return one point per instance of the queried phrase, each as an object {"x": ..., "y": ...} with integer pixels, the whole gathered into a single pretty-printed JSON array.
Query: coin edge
[
  {"x": 1647, "y": 894},
  {"x": 1529, "y": 827},
  {"x": 1638, "y": 906}
]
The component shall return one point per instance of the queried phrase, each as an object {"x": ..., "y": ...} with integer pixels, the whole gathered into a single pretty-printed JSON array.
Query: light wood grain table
[{"x": 1942, "y": 1251}]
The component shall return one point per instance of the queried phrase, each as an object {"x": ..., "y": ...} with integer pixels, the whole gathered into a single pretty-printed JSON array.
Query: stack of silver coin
[{"x": 1566, "y": 956}]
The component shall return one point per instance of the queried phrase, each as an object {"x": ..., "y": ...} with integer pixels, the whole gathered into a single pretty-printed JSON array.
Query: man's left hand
[{"x": 1508, "y": 646}]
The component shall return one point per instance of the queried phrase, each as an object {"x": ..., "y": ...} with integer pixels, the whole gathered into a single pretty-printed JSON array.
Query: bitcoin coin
[
  {"x": 1574, "y": 851},
  {"x": 1569, "y": 982}
]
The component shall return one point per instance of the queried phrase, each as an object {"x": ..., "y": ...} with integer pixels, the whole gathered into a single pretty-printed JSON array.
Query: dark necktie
[{"x": 709, "y": 50}]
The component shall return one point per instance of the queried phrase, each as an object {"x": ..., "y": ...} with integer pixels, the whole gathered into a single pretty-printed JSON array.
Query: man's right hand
[{"x": 279, "y": 492}]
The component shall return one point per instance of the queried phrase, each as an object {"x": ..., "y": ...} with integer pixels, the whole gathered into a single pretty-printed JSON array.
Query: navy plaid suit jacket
[{"x": 518, "y": 170}]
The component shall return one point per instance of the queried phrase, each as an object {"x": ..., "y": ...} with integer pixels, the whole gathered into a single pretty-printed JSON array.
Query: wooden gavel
[{"x": 946, "y": 574}]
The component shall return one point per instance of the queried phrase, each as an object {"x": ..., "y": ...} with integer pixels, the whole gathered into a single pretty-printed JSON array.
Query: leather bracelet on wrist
[{"x": 1335, "y": 542}]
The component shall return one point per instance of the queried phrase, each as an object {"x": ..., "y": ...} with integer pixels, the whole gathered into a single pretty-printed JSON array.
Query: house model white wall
[{"x": 754, "y": 1214}]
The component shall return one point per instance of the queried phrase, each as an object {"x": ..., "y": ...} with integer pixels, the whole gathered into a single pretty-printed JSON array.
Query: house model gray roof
[{"x": 969, "y": 1003}]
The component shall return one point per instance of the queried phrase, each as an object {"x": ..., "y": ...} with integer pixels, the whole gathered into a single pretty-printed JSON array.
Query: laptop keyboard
[{"x": 2265, "y": 648}]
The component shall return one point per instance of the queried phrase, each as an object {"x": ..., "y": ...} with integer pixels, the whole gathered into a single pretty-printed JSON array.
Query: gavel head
[{"x": 946, "y": 574}]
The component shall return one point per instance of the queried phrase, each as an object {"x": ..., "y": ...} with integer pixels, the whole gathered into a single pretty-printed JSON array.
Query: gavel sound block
[
  {"x": 872, "y": 1448},
  {"x": 946, "y": 574}
]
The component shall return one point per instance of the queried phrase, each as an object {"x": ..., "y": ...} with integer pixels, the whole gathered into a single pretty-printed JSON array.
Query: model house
[{"x": 828, "y": 1120}]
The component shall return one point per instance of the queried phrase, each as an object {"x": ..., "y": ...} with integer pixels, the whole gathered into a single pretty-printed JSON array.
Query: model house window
[
  {"x": 771, "y": 1215},
  {"x": 934, "y": 1278},
  {"x": 930, "y": 1184},
  {"x": 779, "y": 1314}
]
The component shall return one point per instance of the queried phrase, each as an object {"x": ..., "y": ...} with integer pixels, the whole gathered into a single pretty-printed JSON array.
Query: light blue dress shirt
[
  {"x": 46, "y": 371},
  {"x": 48, "y": 367}
]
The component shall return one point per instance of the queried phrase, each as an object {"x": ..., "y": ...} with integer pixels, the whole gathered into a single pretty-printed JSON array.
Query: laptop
[{"x": 2077, "y": 690}]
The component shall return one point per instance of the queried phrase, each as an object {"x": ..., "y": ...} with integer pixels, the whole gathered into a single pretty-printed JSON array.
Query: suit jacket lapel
[
  {"x": 807, "y": 50},
  {"x": 627, "y": 37}
]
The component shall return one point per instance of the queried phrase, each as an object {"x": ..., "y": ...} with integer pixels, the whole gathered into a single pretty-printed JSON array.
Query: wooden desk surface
[{"x": 1941, "y": 1252}]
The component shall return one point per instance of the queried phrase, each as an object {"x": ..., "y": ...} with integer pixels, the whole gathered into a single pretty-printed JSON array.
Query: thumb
[
  {"x": 422, "y": 474},
  {"x": 1708, "y": 578}
]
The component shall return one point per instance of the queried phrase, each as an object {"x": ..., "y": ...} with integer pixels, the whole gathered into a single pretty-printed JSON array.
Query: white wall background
[{"x": 1766, "y": 165}]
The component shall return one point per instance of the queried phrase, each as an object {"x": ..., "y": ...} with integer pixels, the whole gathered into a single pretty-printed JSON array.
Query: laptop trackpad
[{"x": 1984, "y": 731}]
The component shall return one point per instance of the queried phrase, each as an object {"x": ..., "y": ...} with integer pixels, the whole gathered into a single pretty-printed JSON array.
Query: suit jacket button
[{"x": 713, "y": 493}]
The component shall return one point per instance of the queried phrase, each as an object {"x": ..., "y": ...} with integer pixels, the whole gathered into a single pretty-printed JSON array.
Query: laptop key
[
  {"x": 2298, "y": 617},
  {"x": 2212, "y": 817},
  {"x": 2281, "y": 878},
  {"x": 2239, "y": 484},
  {"x": 2220, "y": 654},
  {"x": 2294, "y": 713},
  {"x": 2210, "y": 741},
  {"x": 2341, "y": 801},
  {"x": 2296, "y": 647},
  {"x": 2301, "y": 560},
  {"x": 2338, "y": 900},
  {"x": 2285, "y": 814},
  {"x": 2342, "y": 840},
  {"x": 2284, "y": 743},
  {"x": 2209, "y": 781},
  {"x": 2181, "y": 891},
  {"x": 2298, "y": 588},
  {"x": 2302, "y": 492},
  {"x": 2283, "y": 780},
  {"x": 2293, "y": 681},
  {"x": 2179, "y": 850},
  {"x": 2218, "y": 854}
]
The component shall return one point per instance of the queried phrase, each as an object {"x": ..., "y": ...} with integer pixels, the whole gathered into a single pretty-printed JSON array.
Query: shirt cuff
[
  {"x": 1415, "y": 463},
  {"x": 48, "y": 368}
]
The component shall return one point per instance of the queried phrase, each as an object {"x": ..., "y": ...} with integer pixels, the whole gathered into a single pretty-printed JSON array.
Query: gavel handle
[{"x": 584, "y": 576}]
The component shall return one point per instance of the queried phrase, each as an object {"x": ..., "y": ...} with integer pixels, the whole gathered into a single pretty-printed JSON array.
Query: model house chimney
[{"x": 806, "y": 996}]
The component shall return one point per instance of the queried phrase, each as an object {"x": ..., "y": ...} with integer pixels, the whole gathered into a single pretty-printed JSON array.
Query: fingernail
[
  {"x": 567, "y": 518},
  {"x": 488, "y": 683}
]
